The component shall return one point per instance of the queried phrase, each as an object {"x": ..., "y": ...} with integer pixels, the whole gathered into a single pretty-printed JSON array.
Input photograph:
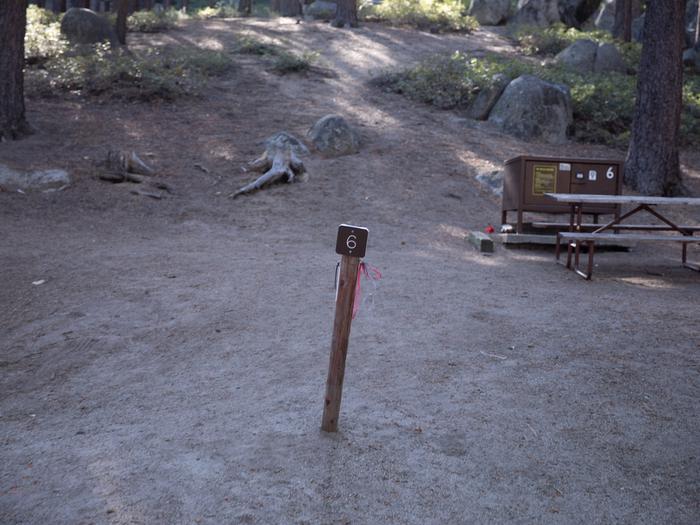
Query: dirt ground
[{"x": 171, "y": 368}]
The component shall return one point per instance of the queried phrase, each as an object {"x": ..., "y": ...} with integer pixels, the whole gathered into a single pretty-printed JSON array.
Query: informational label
[
  {"x": 564, "y": 166},
  {"x": 592, "y": 175},
  {"x": 580, "y": 176},
  {"x": 352, "y": 240},
  {"x": 610, "y": 174},
  {"x": 544, "y": 179}
]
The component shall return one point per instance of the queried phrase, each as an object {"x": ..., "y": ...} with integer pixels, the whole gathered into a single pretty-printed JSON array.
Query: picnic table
[{"x": 576, "y": 236}]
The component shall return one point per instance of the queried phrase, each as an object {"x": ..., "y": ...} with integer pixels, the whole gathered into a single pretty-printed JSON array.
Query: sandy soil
[{"x": 171, "y": 368}]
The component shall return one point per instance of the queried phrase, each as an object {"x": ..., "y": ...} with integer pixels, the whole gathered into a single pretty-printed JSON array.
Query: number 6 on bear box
[{"x": 352, "y": 240}]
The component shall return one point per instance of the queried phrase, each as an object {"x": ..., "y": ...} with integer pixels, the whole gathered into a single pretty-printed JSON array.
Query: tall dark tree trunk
[
  {"x": 346, "y": 14},
  {"x": 122, "y": 14},
  {"x": 13, "y": 24},
  {"x": 286, "y": 7},
  {"x": 245, "y": 7},
  {"x": 652, "y": 165},
  {"x": 625, "y": 12}
]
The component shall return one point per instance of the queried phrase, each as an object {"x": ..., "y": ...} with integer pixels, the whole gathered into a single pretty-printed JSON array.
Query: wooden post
[{"x": 339, "y": 345}]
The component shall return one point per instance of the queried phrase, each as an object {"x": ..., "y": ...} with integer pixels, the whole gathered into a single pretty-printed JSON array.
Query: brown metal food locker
[{"x": 527, "y": 179}]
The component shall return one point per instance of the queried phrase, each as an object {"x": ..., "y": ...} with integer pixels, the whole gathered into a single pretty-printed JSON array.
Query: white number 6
[
  {"x": 610, "y": 174},
  {"x": 351, "y": 242}
]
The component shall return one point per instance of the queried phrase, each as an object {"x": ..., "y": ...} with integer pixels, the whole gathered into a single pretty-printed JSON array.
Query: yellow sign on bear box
[{"x": 544, "y": 179}]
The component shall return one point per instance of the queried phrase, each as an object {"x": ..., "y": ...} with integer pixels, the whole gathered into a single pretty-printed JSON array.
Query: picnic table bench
[{"x": 576, "y": 236}]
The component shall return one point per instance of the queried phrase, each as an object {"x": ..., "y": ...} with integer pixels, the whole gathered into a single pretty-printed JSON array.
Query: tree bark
[
  {"x": 652, "y": 166},
  {"x": 625, "y": 13},
  {"x": 13, "y": 23},
  {"x": 245, "y": 7},
  {"x": 346, "y": 14},
  {"x": 122, "y": 14},
  {"x": 286, "y": 7}
]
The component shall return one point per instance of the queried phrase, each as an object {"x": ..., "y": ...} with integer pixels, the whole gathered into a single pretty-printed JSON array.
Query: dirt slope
[{"x": 171, "y": 368}]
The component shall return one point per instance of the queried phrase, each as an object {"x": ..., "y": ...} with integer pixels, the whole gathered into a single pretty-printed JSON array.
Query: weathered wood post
[{"x": 351, "y": 244}]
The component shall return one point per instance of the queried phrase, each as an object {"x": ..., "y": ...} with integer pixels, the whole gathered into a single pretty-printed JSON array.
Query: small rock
[{"x": 333, "y": 136}]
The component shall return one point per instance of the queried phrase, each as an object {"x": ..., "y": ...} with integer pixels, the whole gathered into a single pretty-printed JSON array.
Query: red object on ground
[{"x": 489, "y": 229}]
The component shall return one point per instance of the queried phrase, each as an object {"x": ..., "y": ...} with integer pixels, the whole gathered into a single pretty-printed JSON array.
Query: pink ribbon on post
[{"x": 370, "y": 272}]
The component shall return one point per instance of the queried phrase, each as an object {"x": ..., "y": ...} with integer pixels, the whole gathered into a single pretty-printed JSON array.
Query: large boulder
[
  {"x": 533, "y": 109},
  {"x": 608, "y": 58},
  {"x": 604, "y": 17},
  {"x": 579, "y": 56},
  {"x": 541, "y": 13},
  {"x": 320, "y": 10},
  {"x": 487, "y": 98},
  {"x": 42, "y": 180},
  {"x": 490, "y": 12},
  {"x": 575, "y": 12},
  {"x": 585, "y": 56},
  {"x": 82, "y": 26},
  {"x": 332, "y": 136}
]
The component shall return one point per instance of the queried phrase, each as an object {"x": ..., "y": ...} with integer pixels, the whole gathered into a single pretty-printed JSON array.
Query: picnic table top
[{"x": 621, "y": 199}]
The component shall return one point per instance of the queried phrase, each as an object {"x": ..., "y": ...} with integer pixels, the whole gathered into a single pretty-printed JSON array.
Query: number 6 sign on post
[{"x": 351, "y": 244}]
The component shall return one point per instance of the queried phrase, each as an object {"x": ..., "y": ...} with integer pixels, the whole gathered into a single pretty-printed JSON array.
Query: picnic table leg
[
  {"x": 572, "y": 214},
  {"x": 591, "y": 252},
  {"x": 557, "y": 251},
  {"x": 519, "y": 226}
]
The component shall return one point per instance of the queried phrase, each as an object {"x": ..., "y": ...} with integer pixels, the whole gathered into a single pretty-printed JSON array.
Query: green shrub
[
  {"x": 153, "y": 21},
  {"x": 251, "y": 46},
  {"x": 152, "y": 75},
  {"x": 603, "y": 103},
  {"x": 219, "y": 11},
  {"x": 434, "y": 15},
  {"x": 554, "y": 39},
  {"x": 43, "y": 38},
  {"x": 286, "y": 62}
]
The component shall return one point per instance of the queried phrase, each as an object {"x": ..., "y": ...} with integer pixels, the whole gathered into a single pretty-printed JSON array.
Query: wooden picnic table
[{"x": 610, "y": 231}]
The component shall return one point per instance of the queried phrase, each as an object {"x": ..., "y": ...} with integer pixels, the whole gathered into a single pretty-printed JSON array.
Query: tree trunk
[
  {"x": 13, "y": 23},
  {"x": 625, "y": 13},
  {"x": 122, "y": 14},
  {"x": 245, "y": 7},
  {"x": 697, "y": 26},
  {"x": 346, "y": 13},
  {"x": 286, "y": 7},
  {"x": 652, "y": 166},
  {"x": 183, "y": 5}
]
